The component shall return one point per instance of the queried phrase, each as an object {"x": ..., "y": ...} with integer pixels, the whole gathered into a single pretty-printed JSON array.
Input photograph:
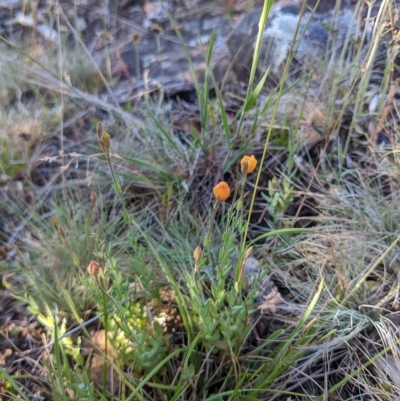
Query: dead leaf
[
  {"x": 270, "y": 298},
  {"x": 98, "y": 342}
]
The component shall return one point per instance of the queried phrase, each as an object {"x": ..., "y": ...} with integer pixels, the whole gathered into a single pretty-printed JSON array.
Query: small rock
[
  {"x": 97, "y": 361},
  {"x": 10, "y": 4},
  {"x": 312, "y": 37}
]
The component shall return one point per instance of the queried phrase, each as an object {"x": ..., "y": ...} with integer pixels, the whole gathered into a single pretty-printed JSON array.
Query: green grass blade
[
  {"x": 261, "y": 25},
  {"x": 15, "y": 385},
  {"x": 206, "y": 89},
  {"x": 283, "y": 231},
  {"x": 163, "y": 130},
  {"x": 286, "y": 350},
  {"x": 147, "y": 378},
  {"x": 253, "y": 96}
]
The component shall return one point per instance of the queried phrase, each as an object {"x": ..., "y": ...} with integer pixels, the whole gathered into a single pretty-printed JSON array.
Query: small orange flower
[
  {"x": 221, "y": 191},
  {"x": 248, "y": 164}
]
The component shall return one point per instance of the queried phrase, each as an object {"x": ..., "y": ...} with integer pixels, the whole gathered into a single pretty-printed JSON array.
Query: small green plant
[
  {"x": 279, "y": 198},
  {"x": 55, "y": 325},
  {"x": 11, "y": 161},
  {"x": 220, "y": 308},
  {"x": 217, "y": 302},
  {"x": 134, "y": 335}
]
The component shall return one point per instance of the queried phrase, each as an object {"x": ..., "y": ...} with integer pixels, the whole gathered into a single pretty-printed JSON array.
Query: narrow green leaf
[{"x": 251, "y": 99}]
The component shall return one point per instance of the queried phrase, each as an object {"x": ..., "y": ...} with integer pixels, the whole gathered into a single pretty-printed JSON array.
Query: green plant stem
[
  {"x": 275, "y": 111},
  {"x": 98, "y": 221},
  {"x": 261, "y": 25},
  {"x": 137, "y": 61},
  {"x": 106, "y": 328},
  {"x": 207, "y": 237},
  {"x": 242, "y": 234}
]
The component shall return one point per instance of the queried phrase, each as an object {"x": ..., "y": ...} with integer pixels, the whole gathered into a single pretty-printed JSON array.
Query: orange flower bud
[
  {"x": 93, "y": 197},
  {"x": 93, "y": 268},
  {"x": 197, "y": 254},
  {"x": 248, "y": 164},
  {"x": 221, "y": 191}
]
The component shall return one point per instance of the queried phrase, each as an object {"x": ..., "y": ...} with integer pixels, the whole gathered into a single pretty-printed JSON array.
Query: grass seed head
[
  {"x": 156, "y": 29},
  {"x": 61, "y": 230},
  {"x": 99, "y": 130},
  {"x": 135, "y": 37},
  {"x": 106, "y": 141},
  {"x": 55, "y": 221},
  {"x": 249, "y": 253}
]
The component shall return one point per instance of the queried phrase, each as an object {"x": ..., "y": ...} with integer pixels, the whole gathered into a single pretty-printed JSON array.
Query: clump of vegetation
[{"x": 252, "y": 257}]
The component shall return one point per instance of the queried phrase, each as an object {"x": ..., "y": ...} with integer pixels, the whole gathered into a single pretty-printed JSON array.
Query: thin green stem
[
  {"x": 261, "y": 25},
  {"x": 274, "y": 113}
]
